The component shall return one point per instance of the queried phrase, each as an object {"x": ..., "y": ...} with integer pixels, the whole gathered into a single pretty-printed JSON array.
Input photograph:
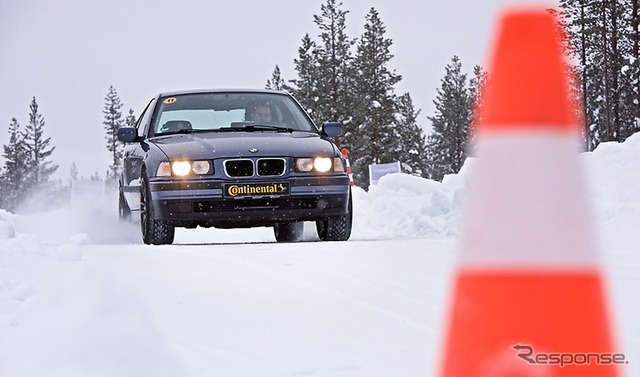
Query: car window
[
  {"x": 199, "y": 119},
  {"x": 144, "y": 118},
  {"x": 215, "y": 111}
]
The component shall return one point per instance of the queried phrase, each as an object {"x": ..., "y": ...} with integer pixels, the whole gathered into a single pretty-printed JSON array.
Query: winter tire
[
  {"x": 336, "y": 228},
  {"x": 154, "y": 232}
]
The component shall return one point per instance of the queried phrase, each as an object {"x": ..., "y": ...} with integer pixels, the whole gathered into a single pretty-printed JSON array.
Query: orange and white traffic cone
[
  {"x": 528, "y": 296},
  {"x": 345, "y": 153}
]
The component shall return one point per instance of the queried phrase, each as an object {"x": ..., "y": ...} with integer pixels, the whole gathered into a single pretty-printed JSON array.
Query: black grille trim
[
  {"x": 262, "y": 203},
  {"x": 238, "y": 168},
  {"x": 262, "y": 167},
  {"x": 271, "y": 167}
]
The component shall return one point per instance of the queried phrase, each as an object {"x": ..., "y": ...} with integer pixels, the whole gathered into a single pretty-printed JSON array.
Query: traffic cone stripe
[
  {"x": 527, "y": 86},
  {"x": 498, "y": 311},
  {"x": 527, "y": 193},
  {"x": 345, "y": 153}
]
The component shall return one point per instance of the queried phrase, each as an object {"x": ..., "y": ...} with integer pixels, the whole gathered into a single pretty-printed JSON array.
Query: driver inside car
[{"x": 259, "y": 113}]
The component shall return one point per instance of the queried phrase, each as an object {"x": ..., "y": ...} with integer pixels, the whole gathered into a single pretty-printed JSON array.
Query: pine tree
[
  {"x": 476, "y": 90},
  {"x": 412, "y": 153},
  {"x": 446, "y": 146},
  {"x": 324, "y": 86},
  {"x": 634, "y": 75},
  {"x": 304, "y": 88},
  {"x": 629, "y": 68},
  {"x": 578, "y": 32},
  {"x": 276, "y": 82},
  {"x": 603, "y": 35},
  {"x": 112, "y": 122},
  {"x": 14, "y": 173},
  {"x": 374, "y": 139},
  {"x": 573, "y": 75},
  {"x": 358, "y": 91},
  {"x": 73, "y": 173},
  {"x": 333, "y": 66},
  {"x": 38, "y": 151},
  {"x": 130, "y": 120}
]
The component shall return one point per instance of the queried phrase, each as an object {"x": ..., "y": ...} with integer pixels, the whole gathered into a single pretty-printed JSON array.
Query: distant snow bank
[
  {"x": 613, "y": 177},
  {"x": 403, "y": 206},
  {"x": 6, "y": 228}
]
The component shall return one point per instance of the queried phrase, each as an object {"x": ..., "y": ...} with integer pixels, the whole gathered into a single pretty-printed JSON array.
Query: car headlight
[
  {"x": 200, "y": 167},
  {"x": 322, "y": 164},
  {"x": 304, "y": 164},
  {"x": 319, "y": 164},
  {"x": 183, "y": 168}
]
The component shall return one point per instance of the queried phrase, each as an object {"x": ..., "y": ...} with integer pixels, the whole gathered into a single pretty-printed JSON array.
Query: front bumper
[{"x": 190, "y": 203}]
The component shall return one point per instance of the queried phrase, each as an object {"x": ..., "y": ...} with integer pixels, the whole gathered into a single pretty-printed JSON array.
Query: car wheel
[
  {"x": 154, "y": 232},
  {"x": 123, "y": 208},
  {"x": 336, "y": 228},
  {"x": 288, "y": 232}
]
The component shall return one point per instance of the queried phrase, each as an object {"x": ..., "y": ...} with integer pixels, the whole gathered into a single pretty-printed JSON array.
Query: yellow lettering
[{"x": 275, "y": 188}]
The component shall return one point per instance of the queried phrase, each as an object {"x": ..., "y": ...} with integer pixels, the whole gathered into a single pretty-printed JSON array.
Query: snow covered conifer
[
  {"x": 305, "y": 87},
  {"x": 374, "y": 138},
  {"x": 413, "y": 144},
  {"x": 14, "y": 171},
  {"x": 38, "y": 151},
  {"x": 603, "y": 37},
  {"x": 476, "y": 89},
  {"x": 112, "y": 122},
  {"x": 276, "y": 82},
  {"x": 73, "y": 173},
  {"x": 332, "y": 72},
  {"x": 130, "y": 120},
  {"x": 446, "y": 145}
]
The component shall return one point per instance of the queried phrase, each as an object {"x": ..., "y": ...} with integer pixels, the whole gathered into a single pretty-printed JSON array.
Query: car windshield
[{"x": 199, "y": 112}]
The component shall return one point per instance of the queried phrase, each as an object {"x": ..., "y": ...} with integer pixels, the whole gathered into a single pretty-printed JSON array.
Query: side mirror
[
  {"x": 127, "y": 134},
  {"x": 332, "y": 129}
]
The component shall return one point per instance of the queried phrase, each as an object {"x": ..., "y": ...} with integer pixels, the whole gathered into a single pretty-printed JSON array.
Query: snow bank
[
  {"x": 6, "y": 228},
  {"x": 405, "y": 206},
  {"x": 614, "y": 184}
]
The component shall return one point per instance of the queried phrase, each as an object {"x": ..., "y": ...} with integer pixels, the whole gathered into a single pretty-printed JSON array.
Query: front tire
[
  {"x": 288, "y": 232},
  {"x": 154, "y": 232},
  {"x": 336, "y": 228}
]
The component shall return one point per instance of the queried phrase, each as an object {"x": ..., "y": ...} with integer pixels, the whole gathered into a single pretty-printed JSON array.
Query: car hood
[{"x": 243, "y": 144}]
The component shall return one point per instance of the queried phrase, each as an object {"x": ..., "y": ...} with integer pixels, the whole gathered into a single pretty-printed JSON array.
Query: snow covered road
[{"x": 362, "y": 308}]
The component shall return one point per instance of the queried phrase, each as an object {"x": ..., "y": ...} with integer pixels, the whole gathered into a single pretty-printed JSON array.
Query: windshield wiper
[
  {"x": 251, "y": 127},
  {"x": 239, "y": 126},
  {"x": 182, "y": 131}
]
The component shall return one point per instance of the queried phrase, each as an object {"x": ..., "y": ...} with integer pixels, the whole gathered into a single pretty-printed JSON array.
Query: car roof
[{"x": 200, "y": 91}]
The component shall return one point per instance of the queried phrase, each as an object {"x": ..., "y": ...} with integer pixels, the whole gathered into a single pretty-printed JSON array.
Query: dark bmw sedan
[{"x": 233, "y": 159}]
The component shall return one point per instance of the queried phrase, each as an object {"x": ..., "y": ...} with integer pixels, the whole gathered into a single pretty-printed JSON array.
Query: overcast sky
[{"x": 67, "y": 53}]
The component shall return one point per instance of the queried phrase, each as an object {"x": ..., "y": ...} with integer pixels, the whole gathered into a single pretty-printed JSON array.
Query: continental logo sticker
[
  {"x": 170, "y": 100},
  {"x": 256, "y": 189}
]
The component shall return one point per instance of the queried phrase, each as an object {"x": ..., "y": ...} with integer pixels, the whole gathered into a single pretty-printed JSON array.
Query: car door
[{"x": 132, "y": 159}]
